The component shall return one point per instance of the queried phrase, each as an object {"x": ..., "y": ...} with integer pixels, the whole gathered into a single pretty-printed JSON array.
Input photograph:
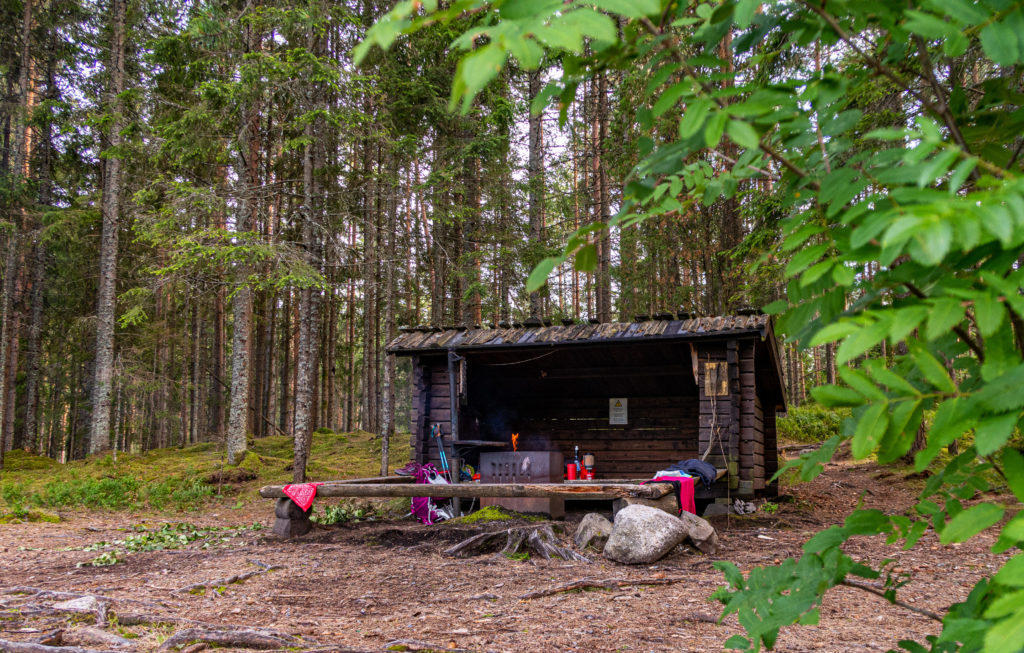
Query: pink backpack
[{"x": 426, "y": 509}]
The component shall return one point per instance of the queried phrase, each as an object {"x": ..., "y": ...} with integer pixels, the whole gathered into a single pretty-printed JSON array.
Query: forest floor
[{"x": 384, "y": 585}]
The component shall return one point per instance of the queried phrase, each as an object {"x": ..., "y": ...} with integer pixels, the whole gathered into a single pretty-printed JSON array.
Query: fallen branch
[
  {"x": 539, "y": 539},
  {"x": 894, "y": 600},
  {"x": 27, "y": 647},
  {"x": 42, "y": 593},
  {"x": 244, "y": 638},
  {"x": 237, "y": 578},
  {"x": 607, "y": 584}
]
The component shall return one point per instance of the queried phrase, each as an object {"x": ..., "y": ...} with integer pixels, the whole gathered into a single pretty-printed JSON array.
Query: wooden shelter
[{"x": 638, "y": 395}]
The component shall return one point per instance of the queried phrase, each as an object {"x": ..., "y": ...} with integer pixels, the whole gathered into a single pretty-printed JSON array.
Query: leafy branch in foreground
[{"x": 904, "y": 237}]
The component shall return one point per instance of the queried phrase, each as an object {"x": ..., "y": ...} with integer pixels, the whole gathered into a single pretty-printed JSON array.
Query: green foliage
[
  {"x": 166, "y": 536},
  {"x": 811, "y": 423},
  {"x": 341, "y": 513},
  {"x": 905, "y": 229}
]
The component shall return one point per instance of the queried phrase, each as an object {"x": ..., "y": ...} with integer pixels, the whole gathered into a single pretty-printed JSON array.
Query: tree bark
[
  {"x": 388, "y": 384},
  {"x": 535, "y": 181},
  {"x": 309, "y": 312},
  {"x": 604, "y": 278},
  {"x": 99, "y": 431}
]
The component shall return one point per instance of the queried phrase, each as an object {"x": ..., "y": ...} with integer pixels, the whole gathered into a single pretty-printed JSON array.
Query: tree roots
[
  {"x": 241, "y": 638},
  {"x": 540, "y": 540}
]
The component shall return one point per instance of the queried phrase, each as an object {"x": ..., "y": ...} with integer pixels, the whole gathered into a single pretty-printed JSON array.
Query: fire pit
[{"x": 523, "y": 467}]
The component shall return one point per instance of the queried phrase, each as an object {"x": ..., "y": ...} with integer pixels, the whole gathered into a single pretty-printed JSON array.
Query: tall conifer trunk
[
  {"x": 246, "y": 170},
  {"x": 309, "y": 323},
  {"x": 535, "y": 180},
  {"x": 99, "y": 431}
]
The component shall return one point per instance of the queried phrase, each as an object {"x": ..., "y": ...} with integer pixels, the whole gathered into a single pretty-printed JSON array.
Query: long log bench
[{"x": 292, "y": 521}]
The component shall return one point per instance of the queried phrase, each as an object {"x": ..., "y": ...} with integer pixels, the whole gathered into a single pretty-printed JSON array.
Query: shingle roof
[{"x": 419, "y": 340}]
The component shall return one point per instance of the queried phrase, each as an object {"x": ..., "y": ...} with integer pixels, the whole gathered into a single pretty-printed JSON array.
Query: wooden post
[{"x": 453, "y": 401}]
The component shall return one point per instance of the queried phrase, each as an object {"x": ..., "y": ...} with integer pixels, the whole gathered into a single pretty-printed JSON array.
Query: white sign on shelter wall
[{"x": 618, "y": 410}]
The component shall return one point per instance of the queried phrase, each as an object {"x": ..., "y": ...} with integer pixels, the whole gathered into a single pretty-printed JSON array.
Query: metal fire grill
[{"x": 523, "y": 467}]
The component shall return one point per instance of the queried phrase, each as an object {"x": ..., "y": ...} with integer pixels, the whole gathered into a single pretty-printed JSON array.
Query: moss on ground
[
  {"x": 493, "y": 513},
  {"x": 183, "y": 478},
  {"x": 30, "y": 515}
]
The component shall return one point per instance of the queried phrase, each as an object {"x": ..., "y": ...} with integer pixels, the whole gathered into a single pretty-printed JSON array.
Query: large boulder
[
  {"x": 593, "y": 531},
  {"x": 642, "y": 535}
]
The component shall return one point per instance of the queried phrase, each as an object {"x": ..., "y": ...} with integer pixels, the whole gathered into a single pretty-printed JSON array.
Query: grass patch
[{"x": 182, "y": 479}]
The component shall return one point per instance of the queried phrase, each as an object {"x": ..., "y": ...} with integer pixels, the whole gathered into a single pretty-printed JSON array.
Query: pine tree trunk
[
  {"x": 241, "y": 309},
  {"x": 219, "y": 364},
  {"x": 99, "y": 431},
  {"x": 370, "y": 271},
  {"x": 193, "y": 388},
  {"x": 535, "y": 180},
  {"x": 38, "y": 274},
  {"x": 604, "y": 286},
  {"x": 7, "y": 333},
  {"x": 388, "y": 383},
  {"x": 284, "y": 374},
  {"x": 309, "y": 337},
  {"x": 241, "y": 304}
]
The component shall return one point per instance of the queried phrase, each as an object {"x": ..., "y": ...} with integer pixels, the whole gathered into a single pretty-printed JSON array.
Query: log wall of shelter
[
  {"x": 771, "y": 452},
  {"x": 723, "y": 409},
  {"x": 660, "y": 431},
  {"x": 431, "y": 405}
]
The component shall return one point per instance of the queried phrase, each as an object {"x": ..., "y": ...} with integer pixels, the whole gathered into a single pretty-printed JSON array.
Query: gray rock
[
  {"x": 701, "y": 533},
  {"x": 716, "y": 510},
  {"x": 593, "y": 531},
  {"x": 81, "y": 604},
  {"x": 642, "y": 535}
]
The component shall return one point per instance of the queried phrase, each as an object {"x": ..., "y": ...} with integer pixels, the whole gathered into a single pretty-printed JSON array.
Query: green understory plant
[
  {"x": 166, "y": 536},
  {"x": 889, "y": 136}
]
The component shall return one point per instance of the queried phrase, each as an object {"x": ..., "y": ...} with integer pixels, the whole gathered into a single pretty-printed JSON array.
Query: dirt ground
[{"x": 371, "y": 586}]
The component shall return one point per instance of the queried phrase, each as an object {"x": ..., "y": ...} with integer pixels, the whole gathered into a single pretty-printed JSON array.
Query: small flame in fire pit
[{"x": 515, "y": 442}]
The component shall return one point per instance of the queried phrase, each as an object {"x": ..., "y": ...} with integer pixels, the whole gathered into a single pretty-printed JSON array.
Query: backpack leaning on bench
[{"x": 429, "y": 509}]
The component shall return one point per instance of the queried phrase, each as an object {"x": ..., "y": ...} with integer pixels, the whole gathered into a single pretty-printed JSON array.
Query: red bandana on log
[{"x": 302, "y": 493}]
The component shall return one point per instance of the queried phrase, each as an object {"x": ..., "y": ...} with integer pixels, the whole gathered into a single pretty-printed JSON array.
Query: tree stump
[{"x": 540, "y": 540}]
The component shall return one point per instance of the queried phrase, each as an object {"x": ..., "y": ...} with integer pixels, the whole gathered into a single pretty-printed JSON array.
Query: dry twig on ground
[
  {"x": 237, "y": 578},
  {"x": 607, "y": 584}
]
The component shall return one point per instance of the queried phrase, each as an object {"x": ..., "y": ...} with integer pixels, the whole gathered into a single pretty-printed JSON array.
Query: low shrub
[
  {"x": 811, "y": 423},
  {"x": 111, "y": 493}
]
